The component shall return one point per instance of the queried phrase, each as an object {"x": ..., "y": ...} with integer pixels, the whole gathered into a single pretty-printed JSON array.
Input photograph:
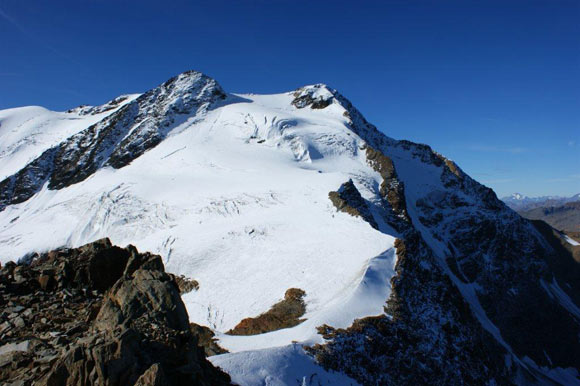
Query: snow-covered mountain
[
  {"x": 412, "y": 272},
  {"x": 519, "y": 201}
]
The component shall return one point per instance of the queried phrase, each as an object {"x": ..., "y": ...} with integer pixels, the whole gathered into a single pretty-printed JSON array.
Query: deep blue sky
[{"x": 494, "y": 85}]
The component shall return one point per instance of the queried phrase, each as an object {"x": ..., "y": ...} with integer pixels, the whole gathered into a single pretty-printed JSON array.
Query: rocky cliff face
[
  {"x": 97, "y": 315},
  {"x": 477, "y": 298},
  {"x": 470, "y": 273}
]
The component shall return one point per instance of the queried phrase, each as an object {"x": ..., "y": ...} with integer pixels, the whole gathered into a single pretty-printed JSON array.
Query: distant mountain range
[
  {"x": 518, "y": 201},
  {"x": 562, "y": 213}
]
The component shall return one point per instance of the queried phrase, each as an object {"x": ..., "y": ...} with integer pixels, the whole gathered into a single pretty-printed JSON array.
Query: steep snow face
[{"x": 236, "y": 197}]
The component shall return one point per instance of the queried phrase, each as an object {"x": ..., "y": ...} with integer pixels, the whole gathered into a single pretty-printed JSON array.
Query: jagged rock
[
  {"x": 317, "y": 97},
  {"x": 146, "y": 293},
  {"x": 185, "y": 284},
  {"x": 422, "y": 329},
  {"x": 205, "y": 339},
  {"x": 348, "y": 199},
  {"x": 391, "y": 188},
  {"x": 112, "y": 316},
  {"x": 284, "y": 314},
  {"x": 154, "y": 376},
  {"x": 526, "y": 282}
]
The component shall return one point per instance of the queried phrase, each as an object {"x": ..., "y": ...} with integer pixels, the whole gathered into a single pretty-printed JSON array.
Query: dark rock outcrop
[
  {"x": 428, "y": 335},
  {"x": 97, "y": 315},
  {"x": 93, "y": 110},
  {"x": 306, "y": 96},
  {"x": 348, "y": 200},
  {"x": 391, "y": 189},
  {"x": 205, "y": 339},
  {"x": 284, "y": 314}
]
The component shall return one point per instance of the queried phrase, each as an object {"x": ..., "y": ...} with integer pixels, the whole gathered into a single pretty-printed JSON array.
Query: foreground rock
[{"x": 101, "y": 315}]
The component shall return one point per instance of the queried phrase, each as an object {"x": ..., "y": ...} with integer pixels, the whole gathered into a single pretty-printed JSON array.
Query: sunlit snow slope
[
  {"x": 252, "y": 195},
  {"x": 237, "y": 200}
]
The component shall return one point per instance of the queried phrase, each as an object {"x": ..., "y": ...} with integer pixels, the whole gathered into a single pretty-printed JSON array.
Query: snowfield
[{"x": 236, "y": 199}]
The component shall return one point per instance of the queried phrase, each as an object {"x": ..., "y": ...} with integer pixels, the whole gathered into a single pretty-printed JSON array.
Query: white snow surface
[
  {"x": 237, "y": 200},
  {"x": 279, "y": 366}
]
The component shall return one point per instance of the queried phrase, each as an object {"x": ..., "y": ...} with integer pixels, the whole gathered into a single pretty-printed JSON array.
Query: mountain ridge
[
  {"x": 518, "y": 201},
  {"x": 562, "y": 213},
  {"x": 397, "y": 249}
]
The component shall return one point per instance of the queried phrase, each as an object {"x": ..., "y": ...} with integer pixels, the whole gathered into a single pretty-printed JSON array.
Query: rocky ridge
[
  {"x": 462, "y": 234},
  {"x": 116, "y": 140},
  {"x": 449, "y": 333}
]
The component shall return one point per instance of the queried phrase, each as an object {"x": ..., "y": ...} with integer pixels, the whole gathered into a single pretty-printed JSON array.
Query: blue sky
[{"x": 494, "y": 85}]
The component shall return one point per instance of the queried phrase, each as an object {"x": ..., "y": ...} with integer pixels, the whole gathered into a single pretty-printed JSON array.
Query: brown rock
[
  {"x": 137, "y": 333},
  {"x": 46, "y": 282},
  {"x": 284, "y": 314},
  {"x": 154, "y": 376}
]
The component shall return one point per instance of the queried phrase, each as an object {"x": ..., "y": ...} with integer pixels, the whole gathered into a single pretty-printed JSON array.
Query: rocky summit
[
  {"x": 97, "y": 315},
  {"x": 307, "y": 247}
]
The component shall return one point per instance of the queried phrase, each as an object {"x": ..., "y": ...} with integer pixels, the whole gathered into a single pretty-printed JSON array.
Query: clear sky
[{"x": 494, "y": 85}]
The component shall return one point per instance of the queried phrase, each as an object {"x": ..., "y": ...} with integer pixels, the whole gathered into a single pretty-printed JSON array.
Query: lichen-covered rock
[{"x": 284, "y": 314}]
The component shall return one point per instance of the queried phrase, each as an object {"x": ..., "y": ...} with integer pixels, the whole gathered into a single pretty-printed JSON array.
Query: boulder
[{"x": 103, "y": 315}]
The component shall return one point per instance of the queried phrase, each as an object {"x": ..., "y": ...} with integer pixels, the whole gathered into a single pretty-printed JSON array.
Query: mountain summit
[{"x": 318, "y": 243}]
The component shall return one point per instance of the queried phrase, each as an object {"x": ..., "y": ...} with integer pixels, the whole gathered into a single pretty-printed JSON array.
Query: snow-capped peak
[{"x": 184, "y": 92}]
